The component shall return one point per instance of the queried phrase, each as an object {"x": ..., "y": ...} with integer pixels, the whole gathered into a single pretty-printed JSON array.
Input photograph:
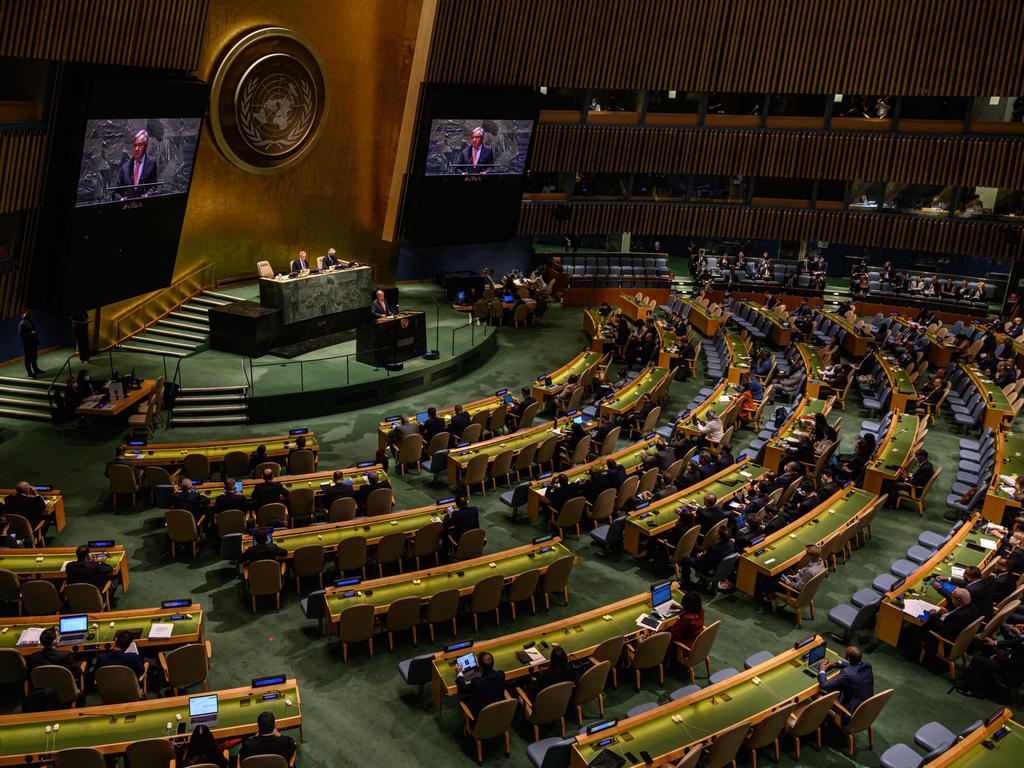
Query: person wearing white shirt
[{"x": 711, "y": 430}]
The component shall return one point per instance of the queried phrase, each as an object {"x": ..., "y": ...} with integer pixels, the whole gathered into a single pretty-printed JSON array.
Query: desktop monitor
[
  {"x": 661, "y": 593},
  {"x": 73, "y": 625}
]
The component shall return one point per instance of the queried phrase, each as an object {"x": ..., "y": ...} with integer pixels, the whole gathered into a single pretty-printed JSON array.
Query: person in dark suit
[
  {"x": 803, "y": 452},
  {"x": 709, "y": 514},
  {"x": 904, "y": 481},
  {"x": 188, "y": 498},
  {"x": 262, "y": 548},
  {"x": 401, "y": 430},
  {"x": 996, "y": 667},
  {"x": 975, "y": 583},
  {"x": 119, "y": 655},
  {"x": 486, "y": 689},
  {"x": 708, "y": 560},
  {"x": 515, "y": 413},
  {"x": 340, "y": 488},
  {"x": 433, "y": 425},
  {"x": 139, "y": 172},
  {"x": 7, "y": 538},
  {"x": 27, "y": 502},
  {"x": 330, "y": 260},
  {"x": 1001, "y": 582},
  {"x": 257, "y": 457},
  {"x": 300, "y": 263},
  {"x": 269, "y": 740},
  {"x": 50, "y": 655},
  {"x": 373, "y": 482},
  {"x": 269, "y": 491},
  {"x": 558, "y": 670},
  {"x": 615, "y": 473},
  {"x": 661, "y": 457},
  {"x": 790, "y": 472},
  {"x": 381, "y": 307},
  {"x": 602, "y": 432},
  {"x": 477, "y": 157},
  {"x": 29, "y": 344},
  {"x": 827, "y": 484},
  {"x": 597, "y": 482},
  {"x": 87, "y": 570},
  {"x": 560, "y": 491},
  {"x": 461, "y": 519},
  {"x": 229, "y": 499},
  {"x": 755, "y": 499},
  {"x": 121, "y": 459},
  {"x": 855, "y": 681},
  {"x": 947, "y": 623},
  {"x": 460, "y": 420}
]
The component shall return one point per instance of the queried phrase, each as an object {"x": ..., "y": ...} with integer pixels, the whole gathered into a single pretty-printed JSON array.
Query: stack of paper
[
  {"x": 917, "y": 607},
  {"x": 535, "y": 655},
  {"x": 161, "y": 631},
  {"x": 30, "y": 636}
]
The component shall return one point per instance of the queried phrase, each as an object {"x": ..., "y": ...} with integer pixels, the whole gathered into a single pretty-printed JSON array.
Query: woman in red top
[{"x": 691, "y": 621}]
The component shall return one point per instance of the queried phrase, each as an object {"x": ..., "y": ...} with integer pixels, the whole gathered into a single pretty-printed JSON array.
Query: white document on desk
[
  {"x": 161, "y": 631},
  {"x": 917, "y": 607},
  {"x": 30, "y": 636}
]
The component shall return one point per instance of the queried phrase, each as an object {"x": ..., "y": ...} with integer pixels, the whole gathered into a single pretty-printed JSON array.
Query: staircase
[
  {"x": 182, "y": 332},
  {"x": 24, "y": 398},
  {"x": 210, "y": 406}
]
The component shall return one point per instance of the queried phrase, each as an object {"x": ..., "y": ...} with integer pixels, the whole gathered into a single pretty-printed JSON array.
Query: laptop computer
[
  {"x": 814, "y": 656},
  {"x": 73, "y": 629},
  {"x": 421, "y": 417},
  {"x": 661, "y": 599},
  {"x": 467, "y": 666},
  {"x": 202, "y": 710}
]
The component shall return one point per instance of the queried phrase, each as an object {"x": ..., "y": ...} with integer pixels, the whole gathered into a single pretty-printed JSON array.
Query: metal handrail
[
  {"x": 472, "y": 334},
  {"x": 67, "y": 366},
  {"x": 144, "y": 307}
]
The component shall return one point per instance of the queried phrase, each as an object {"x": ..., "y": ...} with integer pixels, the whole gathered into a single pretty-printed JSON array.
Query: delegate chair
[
  {"x": 556, "y": 579},
  {"x": 13, "y": 669},
  {"x": 122, "y": 482},
  {"x": 187, "y": 666},
  {"x": 355, "y": 625},
  {"x": 486, "y": 597},
  {"x": 863, "y": 718},
  {"x": 308, "y": 561},
  {"x": 120, "y": 685},
  {"x": 493, "y": 720},
  {"x": 40, "y": 598},
  {"x": 86, "y": 598},
  {"x": 79, "y": 757},
  {"x": 807, "y": 719},
  {"x": 549, "y": 706},
  {"x": 61, "y": 680},
  {"x": 524, "y": 587},
  {"x": 766, "y": 733},
  {"x": 443, "y": 607},
  {"x": 590, "y": 687},
  {"x": 700, "y": 651},
  {"x": 182, "y": 528},
  {"x": 403, "y": 615},
  {"x": 648, "y": 654},
  {"x": 725, "y": 747},
  {"x": 150, "y": 753},
  {"x": 265, "y": 577},
  {"x": 611, "y": 651},
  {"x": 797, "y": 600}
]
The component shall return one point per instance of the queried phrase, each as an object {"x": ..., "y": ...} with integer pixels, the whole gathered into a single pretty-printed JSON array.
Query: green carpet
[{"x": 362, "y": 712}]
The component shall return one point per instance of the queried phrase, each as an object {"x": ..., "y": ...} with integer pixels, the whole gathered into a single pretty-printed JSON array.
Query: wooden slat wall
[
  {"x": 21, "y": 168},
  {"x": 926, "y": 159},
  {"x": 968, "y": 238},
  {"x": 909, "y": 47},
  {"x": 164, "y": 34}
]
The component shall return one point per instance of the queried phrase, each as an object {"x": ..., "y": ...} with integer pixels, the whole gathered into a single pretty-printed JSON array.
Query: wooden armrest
[
  {"x": 788, "y": 588},
  {"x": 162, "y": 658},
  {"x": 145, "y": 671},
  {"x": 940, "y": 638},
  {"x": 841, "y": 708},
  {"x": 682, "y": 645},
  {"x": 465, "y": 711},
  {"x": 284, "y": 567},
  {"x": 452, "y": 542},
  {"x": 200, "y": 522},
  {"x": 106, "y": 586},
  {"x": 209, "y": 650}
]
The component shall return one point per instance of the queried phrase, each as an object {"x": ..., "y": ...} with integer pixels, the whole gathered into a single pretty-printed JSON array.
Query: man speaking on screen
[
  {"x": 138, "y": 174},
  {"x": 477, "y": 157}
]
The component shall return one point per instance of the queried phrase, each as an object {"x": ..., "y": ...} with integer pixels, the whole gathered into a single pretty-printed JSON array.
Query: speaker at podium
[{"x": 391, "y": 339}]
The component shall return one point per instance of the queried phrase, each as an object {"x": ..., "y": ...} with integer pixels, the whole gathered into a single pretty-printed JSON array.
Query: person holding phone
[{"x": 485, "y": 689}]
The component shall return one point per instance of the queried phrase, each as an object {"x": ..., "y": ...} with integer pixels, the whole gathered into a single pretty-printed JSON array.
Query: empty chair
[
  {"x": 409, "y": 452},
  {"x": 403, "y": 615},
  {"x": 522, "y": 588},
  {"x": 196, "y": 467},
  {"x": 40, "y": 598},
  {"x": 87, "y": 598},
  {"x": 119, "y": 685},
  {"x": 235, "y": 464},
  {"x": 389, "y": 551},
  {"x": 852, "y": 618},
  {"x": 476, "y": 474},
  {"x": 265, "y": 577},
  {"x": 351, "y": 555},
  {"x": 863, "y": 718},
  {"x": 379, "y": 502},
  {"x": 553, "y": 752},
  {"x": 766, "y": 732},
  {"x": 548, "y": 707},
  {"x": 556, "y": 579},
  {"x": 13, "y": 669},
  {"x": 150, "y": 753},
  {"x": 808, "y": 719},
  {"x": 590, "y": 686},
  {"x": 79, "y": 757},
  {"x": 263, "y": 761},
  {"x": 122, "y": 482},
  {"x": 471, "y": 544},
  {"x": 516, "y": 498},
  {"x": 486, "y": 597},
  {"x": 230, "y": 521},
  {"x": 314, "y": 606},
  {"x": 725, "y": 746},
  {"x": 187, "y": 666},
  {"x": 308, "y": 561},
  {"x": 60, "y": 679},
  {"x": 649, "y": 653},
  {"x": 417, "y": 671},
  {"x": 301, "y": 502},
  {"x": 356, "y": 624},
  {"x": 569, "y": 516},
  {"x": 427, "y": 543},
  {"x": 443, "y": 607},
  {"x": 272, "y": 515},
  {"x": 493, "y": 720},
  {"x": 182, "y": 528},
  {"x": 611, "y": 651},
  {"x": 342, "y": 510}
]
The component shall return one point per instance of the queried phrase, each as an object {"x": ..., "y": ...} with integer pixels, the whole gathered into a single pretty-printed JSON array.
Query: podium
[{"x": 384, "y": 340}]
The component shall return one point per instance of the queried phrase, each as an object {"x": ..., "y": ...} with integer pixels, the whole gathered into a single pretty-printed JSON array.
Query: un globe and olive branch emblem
[{"x": 268, "y": 100}]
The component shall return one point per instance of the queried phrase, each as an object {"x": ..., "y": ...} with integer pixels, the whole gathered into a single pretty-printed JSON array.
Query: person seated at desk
[
  {"x": 855, "y": 681},
  {"x": 558, "y": 670},
  {"x": 122, "y": 460},
  {"x": 50, "y": 655},
  {"x": 269, "y": 491},
  {"x": 373, "y": 482},
  {"x": 791, "y": 471},
  {"x": 1001, "y": 582},
  {"x": 259, "y": 456},
  {"x": 643, "y": 408},
  {"x": 851, "y": 466},
  {"x": 687, "y": 354},
  {"x": 748, "y": 404},
  {"x": 460, "y": 420},
  {"x": 119, "y": 655},
  {"x": 617, "y": 474},
  {"x": 1014, "y": 328},
  {"x": 85, "y": 569},
  {"x": 707, "y": 463},
  {"x": 597, "y": 482},
  {"x": 269, "y": 740},
  {"x": 515, "y": 414},
  {"x": 709, "y": 513},
  {"x": 202, "y": 749},
  {"x": 561, "y": 400},
  {"x": 188, "y": 498},
  {"x": 996, "y": 668},
  {"x": 906, "y": 481},
  {"x": 460, "y": 519},
  {"x": 710, "y": 430},
  {"x": 262, "y": 548},
  {"x": 797, "y": 577},
  {"x": 975, "y": 583},
  {"x": 300, "y": 264},
  {"x": 707, "y": 561},
  {"x": 8, "y": 540},
  {"x": 433, "y": 425},
  {"x": 229, "y": 499},
  {"x": 690, "y": 622},
  {"x": 400, "y": 431},
  {"x": 300, "y": 445},
  {"x": 947, "y": 623},
  {"x": 763, "y": 366},
  {"x": 660, "y": 455},
  {"x": 331, "y": 260},
  {"x": 27, "y": 502},
  {"x": 560, "y": 491},
  {"x": 340, "y": 488},
  {"x": 835, "y": 381},
  {"x": 381, "y": 307},
  {"x": 485, "y": 689},
  {"x": 802, "y": 452}
]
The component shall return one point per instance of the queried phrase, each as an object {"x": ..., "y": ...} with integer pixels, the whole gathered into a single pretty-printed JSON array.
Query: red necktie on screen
[
  {"x": 138, "y": 169},
  {"x": 476, "y": 155}
]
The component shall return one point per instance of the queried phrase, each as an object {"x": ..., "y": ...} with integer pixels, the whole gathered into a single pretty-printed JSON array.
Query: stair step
[
  {"x": 198, "y": 421},
  {"x": 218, "y": 295},
  {"x": 184, "y": 391},
  {"x": 159, "y": 340},
  {"x": 184, "y": 326},
  {"x": 198, "y": 309},
  {"x": 190, "y": 317},
  {"x": 37, "y": 392},
  {"x": 17, "y": 381},
  {"x": 195, "y": 409},
  {"x": 199, "y": 399},
  {"x": 21, "y": 402},
  {"x": 150, "y": 350},
  {"x": 158, "y": 328},
  {"x": 208, "y": 301},
  {"x": 17, "y": 413}
]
